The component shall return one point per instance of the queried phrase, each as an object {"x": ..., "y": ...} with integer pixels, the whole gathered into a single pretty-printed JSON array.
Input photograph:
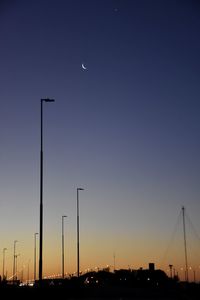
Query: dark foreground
[
  {"x": 120, "y": 285},
  {"x": 179, "y": 292}
]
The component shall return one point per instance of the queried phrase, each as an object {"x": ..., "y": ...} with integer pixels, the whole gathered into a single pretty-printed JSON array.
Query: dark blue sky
[{"x": 126, "y": 129}]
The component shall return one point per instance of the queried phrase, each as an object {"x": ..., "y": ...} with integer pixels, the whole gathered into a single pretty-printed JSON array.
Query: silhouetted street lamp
[
  {"x": 185, "y": 245},
  {"x": 28, "y": 272},
  {"x": 170, "y": 268},
  {"x": 35, "y": 254},
  {"x": 4, "y": 250},
  {"x": 63, "y": 248},
  {"x": 41, "y": 190},
  {"x": 14, "y": 257},
  {"x": 78, "y": 256}
]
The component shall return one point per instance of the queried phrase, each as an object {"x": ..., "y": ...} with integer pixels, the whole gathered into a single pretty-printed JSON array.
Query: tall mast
[{"x": 185, "y": 245}]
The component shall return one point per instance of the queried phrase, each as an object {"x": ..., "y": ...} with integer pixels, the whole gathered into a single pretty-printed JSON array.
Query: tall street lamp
[
  {"x": 14, "y": 257},
  {"x": 63, "y": 248},
  {"x": 28, "y": 272},
  {"x": 78, "y": 255},
  {"x": 35, "y": 254},
  {"x": 41, "y": 190},
  {"x": 4, "y": 250}
]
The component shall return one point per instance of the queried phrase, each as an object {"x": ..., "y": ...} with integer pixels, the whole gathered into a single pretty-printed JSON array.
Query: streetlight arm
[{"x": 48, "y": 100}]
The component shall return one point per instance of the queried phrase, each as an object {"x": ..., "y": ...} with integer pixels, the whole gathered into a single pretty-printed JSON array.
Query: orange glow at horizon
[{"x": 98, "y": 256}]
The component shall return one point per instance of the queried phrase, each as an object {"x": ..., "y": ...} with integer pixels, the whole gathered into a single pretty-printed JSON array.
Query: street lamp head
[
  {"x": 80, "y": 189},
  {"x": 64, "y": 216},
  {"x": 48, "y": 100}
]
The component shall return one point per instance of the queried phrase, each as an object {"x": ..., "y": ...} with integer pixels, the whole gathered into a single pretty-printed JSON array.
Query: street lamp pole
[
  {"x": 41, "y": 189},
  {"x": 28, "y": 272},
  {"x": 4, "y": 250},
  {"x": 170, "y": 267},
  {"x": 14, "y": 257},
  {"x": 35, "y": 254},
  {"x": 63, "y": 248},
  {"x": 78, "y": 253},
  {"x": 185, "y": 245}
]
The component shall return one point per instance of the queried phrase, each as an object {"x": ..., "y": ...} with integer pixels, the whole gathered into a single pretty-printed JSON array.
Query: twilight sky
[{"x": 126, "y": 130}]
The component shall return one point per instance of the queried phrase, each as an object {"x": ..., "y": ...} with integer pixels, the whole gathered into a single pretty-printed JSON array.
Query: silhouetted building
[{"x": 151, "y": 267}]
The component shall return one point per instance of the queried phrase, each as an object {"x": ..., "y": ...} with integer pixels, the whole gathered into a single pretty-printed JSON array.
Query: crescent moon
[{"x": 83, "y": 67}]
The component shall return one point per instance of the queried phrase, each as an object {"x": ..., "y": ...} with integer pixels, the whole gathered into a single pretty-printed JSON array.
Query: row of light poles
[
  {"x": 63, "y": 243},
  {"x": 35, "y": 248},
  {"x": 15, "y": 256},
  {"x": 46, "y": 100},
  {"x": 41, "y": 209}
]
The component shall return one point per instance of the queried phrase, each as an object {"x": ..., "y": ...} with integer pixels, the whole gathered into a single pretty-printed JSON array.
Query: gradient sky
[{"x": 126, "y": 130}]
